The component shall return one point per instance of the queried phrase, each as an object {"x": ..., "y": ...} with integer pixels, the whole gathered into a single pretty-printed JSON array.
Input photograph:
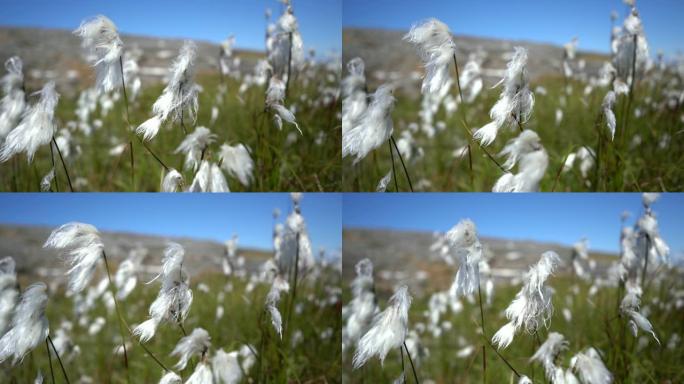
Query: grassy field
[
  {"x": 284, "y": 160},
  {"x": 646, "y": 156},
  {"x": 594, "y": 323},
  {"x": 314, "y": 358}
]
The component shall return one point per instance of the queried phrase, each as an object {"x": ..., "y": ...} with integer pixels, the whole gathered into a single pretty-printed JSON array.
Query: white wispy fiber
[
  {"x": 172, "y": 181},
  {"x": 436, "y": 48},
  {"x": 629, "y": 306},
  {"x": 296, "y": 242},
  {"x": 382, "y": 184},
  {"x": 201, "y": 375},
  {"x": 286, "y": 44},
  {"x": 388, "y": 330},
  {"x": 82, "y": 248},
  {"x": 275, "y": 100},
  {"x": 9, "y": 292},
  {"x": 465, "y": 244},
  {"x": 527, "y": 151},
  {"x": 209, "y": 178},
  {"x": 36, "y": 128},
  {"x": 590, "y": 367},
  {"x": 471, "y": 79},
  {"x": 170, "y": 378},
  {"x": 278, "y": 286},
  {"x": 226, "y": 367},
  {"x": 46, "y": 181},
  {"x": 196, "y": 343},
  {"x": 194, "y": 144},
  {"x": 237, "y": 162},
  {"x": 29, "y": 327},
  {"x": 104, "y": 48},
  {"x": 632, "y": 33},
  {"x": 608, "y": 114},
  {"x": 548, "y": 351},
  {"x": 179, "y": 98},
  {"x": 361, "y": 309},
  {"x": 515, "y": 104},
  {"x": 353, "y": 93},
  {"x": 524, "y": 380},
  {"x": 532, "y": 306},
  {"x": 125, "y": 278},
  {"x": 648, "y": 237},
  {"x": 12, "y": 104},
  {"x": 373, "y": 127},
  {"x": 225, "y": 54},
  {"x": 175, "y": 297}
]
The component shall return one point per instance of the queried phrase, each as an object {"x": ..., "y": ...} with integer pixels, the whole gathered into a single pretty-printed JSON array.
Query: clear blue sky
[
  {"x": 553, "y": 21},
  {"x": 205, "y": 216},
  {"x": 212, "y": 20},
  {"x": 550, "y": 217}
]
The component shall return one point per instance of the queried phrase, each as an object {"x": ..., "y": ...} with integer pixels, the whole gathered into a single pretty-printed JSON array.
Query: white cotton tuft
[
  {"x": 196, "y": 343},
  {"x": 504, "y": 336},
  {"x": 353, "y": 93},
  {"x": 171, "y": 378},
  {"x": 278, "y": 286},
  {"x": 37, "y": 126},
  {"x": 463, "y": 240},
  {"x": 194, "y": 145},
  {"x": 435, "y": 46},
  {"x": 374, "y": 126},
  {"x": 384, "y": 182},
  {"x": 275, "y": 99},
  {"x": 29, "y": 327},
  {"x": 608, "y": 114},
  {"x": 524, "y": 380},
  {"x": 209, "y": 178},
  {"x": 13, "y": 103},
  {"x": 388, "y": 330},
  {"x": 172, "y": 181},
  {"x": 9, "y": 293},
  {"x": 237, "y": 162},
  {"x": 82, "y": 249},
  {"x": 201, "y": 375},
  {"x": 102, "y": 43},
  {"x": 590, "y": 368},
  {"x": 528, "y": 153},
  {"x": 548, "y": 351},
  {"x": 149, "y": 128},
  {"x": 226, "y": 367}
]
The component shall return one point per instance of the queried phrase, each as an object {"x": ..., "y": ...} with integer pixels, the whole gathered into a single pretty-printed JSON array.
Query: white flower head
[
  {"x": 82, "y": 248},
  {"x": 278, "y": 286},
  {"x": 172, "y": 181},
  {"x": 463, "y": 240},
  {"x": 374, "y": 126},
  {"x": 515, "y": 104},
  {"x": 388, "y": 331},
  {"x": 201, "y": 375},
  {"x": 209, "y": 178},
  {"x": 384, "y": 182},
  {"x": 353, "y": 93},
  {"x": 226, "y": 367},
  {"x": 194, "y": 144},
  {"x": 527, "y": 151},
  {"x": 171, "y": 378},
  {"x": 433, "y": 40},
  {"x": 104, "y": 48},
  {"x": 237, "y": 161},
  {"x": 9, "y": 292},
  {"x": 608, "y": 114},
  {"x": 37, "y": 126},
  {"x": 13, "y": 103},
  {"x": 591, "y": 368},
  {"x": 196, "y": 343},
  {"x": 275, "y": 100},
  {"x": 547, "y": 352},
  {"x": 29, "y": 327}
]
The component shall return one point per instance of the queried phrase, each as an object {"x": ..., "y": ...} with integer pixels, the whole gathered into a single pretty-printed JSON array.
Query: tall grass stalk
[
  {"x": 128, "y": 119},
  {"x": 294, "y": 291},
  {"x": 289, "y": 64},
  {"x": 394, "y": 173},
  {"x": 52, "y": 158},
  {"x": 118, "y": 311},
  {"x": 413, "y": 368},
  {"x": 66, "y": 378},
  {"x": 66, "y": 172},
  {"x": 52, "y": 372},
  {"x": 401, "y": 158}
]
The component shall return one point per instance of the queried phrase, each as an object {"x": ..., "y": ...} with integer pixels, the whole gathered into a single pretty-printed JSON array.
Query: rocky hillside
[
  {"x": 56, "y": 54},
  {"x": 387, "y": 56},
  {"x": 24, "y": 244},
  {"x": 406, "y": 257}
]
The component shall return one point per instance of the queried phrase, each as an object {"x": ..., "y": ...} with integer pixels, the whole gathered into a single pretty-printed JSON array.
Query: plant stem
[
  {"x": 403, "y": 369},
  {"x": 289, "y": 65},
  {"x": 54, "y": 169},
  {"x": 59, "y": 360},
  {"x": 625, "y": 121},
  {"x": 294, "y": 290},
  {"x": 153, "y": 154},
  {"x": 118, "y": 312},
  {"x": 52, "y": 373},
  {"x": 643, "y": 271},
  {"x": 413, "y": 368},
  {"x": 402, "y": 162},
  {"x": 484, "y": 333},
  {"x": 128, "y": 120},
  {"x": 465, "y": 121},
  {"x": 560, "y": 169},
  {"x": 394, "y": 173},
  {"x": 71, "y": 188}
]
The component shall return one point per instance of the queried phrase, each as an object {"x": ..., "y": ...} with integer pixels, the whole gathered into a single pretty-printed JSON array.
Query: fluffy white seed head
[
  {"x": 590, "y": 367},
  {"x": 196, "y": 343},
  {"x": 29, "y": 327},
  {"x": 9, "y": 292},
  {"x": 237, "y": 162},
  {"x": 226, "y": 367},
  {"x": 433, "y": 41},
  {"x": 194, "y": 144},
  {"x": 373, "y": 128},
  {"x": 101, "y": 41},
  {"x": 172, "y": 181}
]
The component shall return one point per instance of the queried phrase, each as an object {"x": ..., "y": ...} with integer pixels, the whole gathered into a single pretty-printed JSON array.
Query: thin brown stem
[
  {"x": 394, "y": 173},
  {"x": 54, "y": 169},
  {"x": 59, "y": 359},
  {"x": 52, "y": 372},
  {"x": 128, "y": 120},
  {"x": 289, "y": 65},
  {"x": 153, "y": 154},
  {"x": 413, "y": 368},
  {"x": 401, "y": 158},
  {"x": 66, "y": 172}
]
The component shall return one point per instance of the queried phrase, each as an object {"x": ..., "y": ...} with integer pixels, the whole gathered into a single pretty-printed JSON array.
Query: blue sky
[
  {"x": 550, "y": 217},
  {"x": 212, "y": 20},
  {"x": 206, "y": 216},
  {"x": 541, "y": 20}
]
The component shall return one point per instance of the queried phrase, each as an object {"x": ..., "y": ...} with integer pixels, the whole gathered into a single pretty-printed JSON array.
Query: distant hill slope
[
  {"x": 56, "y": 54},
  {"x": 25, "y": 244},
  {"x": 385, "y": 51},
  {"x": 406, "y": 256}
]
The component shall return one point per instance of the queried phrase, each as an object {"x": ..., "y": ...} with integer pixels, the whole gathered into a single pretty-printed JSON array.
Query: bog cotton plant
[
  {"x": 275, "y": 100},
  {"x": 178, "y": 97},
  {"x": 278, "y": 286},
  {"x": 590, "y": 367},
  {"x": 175, "y": 296},
  {"x": 374, "y": 126},
  {"x": 361, "y": 309},
  {"x": 194, "y": 146},
  {"x": 104, "y": 49},
  {"x": 464, "y": 242},
  {"x": 436, "y": 48},
  {"x": 532, "y": 306},
  {"x": 196, "y": 343},
  {"x": 548, "y": 352},
  {"x": 29, "y": 327},
  {"x": 515, "y": 104},
  {"x": 237, "y": 162},
  {"x": 12, "y": 104},
  {"x": 37, "y": 126},
  {"x": 527, "y": 152},
  {"x": 209, "y": 178},
  {"x": 388, "y": 331},
  {"x": 9, "y": 294},
  {"x": 354, "y": 98}
]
